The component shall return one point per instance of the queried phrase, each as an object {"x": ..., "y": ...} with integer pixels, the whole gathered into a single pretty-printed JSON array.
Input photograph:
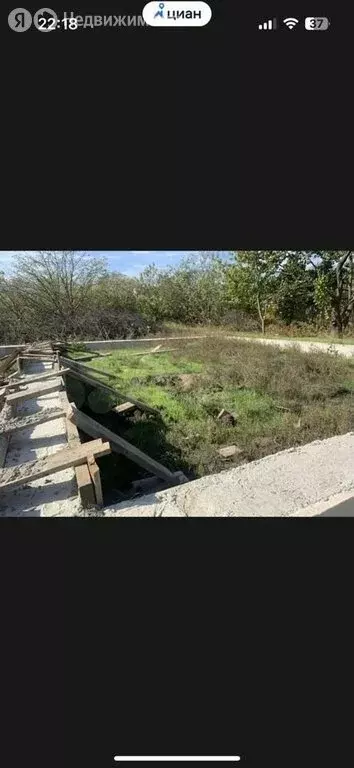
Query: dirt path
[{"x": 347, "y": 350}]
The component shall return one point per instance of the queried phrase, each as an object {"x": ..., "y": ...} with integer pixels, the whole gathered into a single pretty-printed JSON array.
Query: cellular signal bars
[{"x": 270, "y": 24}]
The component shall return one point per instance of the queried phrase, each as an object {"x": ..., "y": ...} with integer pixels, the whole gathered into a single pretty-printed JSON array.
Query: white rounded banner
[{"x": 177, "y": 14}]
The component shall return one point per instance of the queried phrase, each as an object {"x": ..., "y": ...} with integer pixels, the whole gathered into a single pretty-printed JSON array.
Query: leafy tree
[
  {"x": 253, "y": 282},
  {"x": 334, "y": 281},
  {"x": 295, "y": 290}
]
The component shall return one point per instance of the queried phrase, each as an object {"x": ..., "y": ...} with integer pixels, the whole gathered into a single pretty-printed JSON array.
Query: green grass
[
  {"x": 127, "y": 366},
  {"x": 279, "y": 397}
]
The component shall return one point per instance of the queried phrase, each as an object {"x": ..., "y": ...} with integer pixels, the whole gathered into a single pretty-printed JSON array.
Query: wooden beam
[
  {"x": 118, "y": 444},
  {"x": 7, "y": 363},
  {"x": 85, "y": 486},
  {"x": 95, "y": 383},
  {"x": 32, "y": 420},
  {"x": 19, "y": 397},
  {"x": 124, "y": 408},
  {"x": 38, "y": 358},
  {"x": 13, "y": 477},
  {"x": 4, "y": 444},
  {"x": 96, "y": 479},
  {"x": 6, "y": 414},
  {"x": 83, "y": 478},
  {"x": 152, "y": 352},
  {"x": 82, "y": 367},
  {"x": 39, "y": 377}
]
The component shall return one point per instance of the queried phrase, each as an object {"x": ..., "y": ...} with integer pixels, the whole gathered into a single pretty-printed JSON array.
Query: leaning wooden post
[{"x": 96, "y": 479}]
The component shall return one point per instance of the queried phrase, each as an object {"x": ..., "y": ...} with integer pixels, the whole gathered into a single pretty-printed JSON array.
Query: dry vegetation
[{"x": 278, "y": 398}]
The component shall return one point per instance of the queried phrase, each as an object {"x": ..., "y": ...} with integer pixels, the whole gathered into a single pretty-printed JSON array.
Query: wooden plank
[
  {"x": 10, "y": 359},
  {"x": 38, "y": 358},
  {"x": 118, "y": 444},
  {"x": 45, "y": 389},
  {"x": 39, "y": 377},
  {"x": 6, "y": 414},
  {"x": 82, "y": 367},
  {"x": 4, "y": 444},
  {"x": 85, "y": 486},
  {"x": 95, "y": 383},
  {"x": 83, "y": 478},
  {"x": 39, "y": 351},
  {"x": 96, "y": 479},
  {"x": 13, "y": 477},
  {"x": 31, "y": 420},
  {"x": 152, "y": 352},
  {"x": 124, "y": 408}
]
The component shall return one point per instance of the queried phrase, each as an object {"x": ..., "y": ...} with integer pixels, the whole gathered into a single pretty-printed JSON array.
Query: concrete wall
[
  {"x": 127, "y": 343},
  {"x": 111, "y": 343}
]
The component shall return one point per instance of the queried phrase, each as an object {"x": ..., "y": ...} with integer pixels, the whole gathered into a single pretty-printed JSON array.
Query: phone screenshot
[{"x": 177, "y": 385}]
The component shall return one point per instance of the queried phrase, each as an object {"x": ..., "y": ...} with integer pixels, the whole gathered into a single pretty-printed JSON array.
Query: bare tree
[{"x": 57, "y": 285}]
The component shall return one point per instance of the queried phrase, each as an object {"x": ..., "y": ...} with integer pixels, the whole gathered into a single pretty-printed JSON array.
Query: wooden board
[
  {"x": 124, "y": 408},
  {"x": 16, "y": 425},
  {"x": 13, "y": 477},
  {"x": 45, "y": 389},
  {"x": 5, "y": 414},
  {"x": 96, "y": 479},
  {"x": 118, "y": 444},
  {"x": 2, "y": 396},
  {"x": 8, "y": 362},
  {"x": 38, "y": 358},
  {"x": 83, "y": 478},
  {"x": 83, "y": 368},
  {"x": 39, "y": 377},
  {"x": 152, "y": 352},
  {"x": 4, "y": 444},
  {"x": 95, "y": 383}
]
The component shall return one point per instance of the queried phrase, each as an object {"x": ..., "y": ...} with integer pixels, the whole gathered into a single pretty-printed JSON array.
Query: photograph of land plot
[{"x": 141, "y": 383}]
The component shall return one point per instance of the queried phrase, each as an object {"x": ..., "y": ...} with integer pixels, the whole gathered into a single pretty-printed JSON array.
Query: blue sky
[{"x": 128, "y": 262}]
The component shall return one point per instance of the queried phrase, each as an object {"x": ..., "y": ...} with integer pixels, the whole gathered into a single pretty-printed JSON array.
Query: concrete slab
[
  {"x": 281, "y": 485},
  {"x": 55, "y": 494}
]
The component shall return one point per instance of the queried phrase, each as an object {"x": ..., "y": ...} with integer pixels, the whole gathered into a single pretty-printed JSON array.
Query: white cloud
[{"x": 140, "y": 251}]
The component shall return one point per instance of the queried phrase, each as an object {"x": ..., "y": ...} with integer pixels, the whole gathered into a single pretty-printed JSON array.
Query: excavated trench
[{"x": 123, "y": 479}]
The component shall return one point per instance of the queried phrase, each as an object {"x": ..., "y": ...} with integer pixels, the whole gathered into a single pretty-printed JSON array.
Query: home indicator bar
[{"x": 177, "y": 759}]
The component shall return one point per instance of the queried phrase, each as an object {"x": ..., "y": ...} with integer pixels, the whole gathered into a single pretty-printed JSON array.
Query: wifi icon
[{"x": 291, "y": 23}]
